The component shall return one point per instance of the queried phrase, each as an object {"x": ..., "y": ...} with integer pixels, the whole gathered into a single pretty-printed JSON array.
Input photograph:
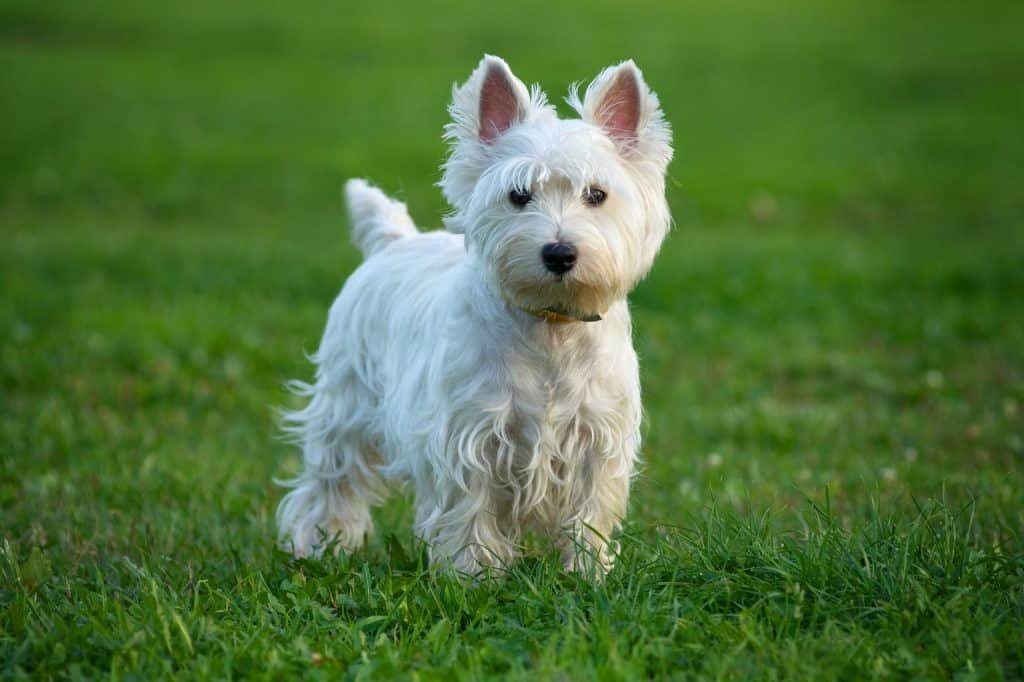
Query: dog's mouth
[{"x": 577, "y": 295}]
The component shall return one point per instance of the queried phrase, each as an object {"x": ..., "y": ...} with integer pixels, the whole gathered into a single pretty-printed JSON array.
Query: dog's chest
[
  {"x": 550, "y": 395},
  {"x": 555, "y": 426}
]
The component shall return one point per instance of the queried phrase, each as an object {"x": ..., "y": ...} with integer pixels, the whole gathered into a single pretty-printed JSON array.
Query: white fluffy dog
[{"x": 491, "y": 364}]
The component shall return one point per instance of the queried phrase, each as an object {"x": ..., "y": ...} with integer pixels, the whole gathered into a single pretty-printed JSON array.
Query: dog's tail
[{"x": 376, "y": 220}]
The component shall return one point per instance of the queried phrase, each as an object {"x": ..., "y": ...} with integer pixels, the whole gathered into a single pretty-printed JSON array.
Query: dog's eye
[
  {"x": 592, "y": 196},
  {"x": 520, "y": 197}
]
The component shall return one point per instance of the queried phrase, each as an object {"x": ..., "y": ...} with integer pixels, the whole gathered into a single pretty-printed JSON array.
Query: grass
[{"x": 832, "y": 341}]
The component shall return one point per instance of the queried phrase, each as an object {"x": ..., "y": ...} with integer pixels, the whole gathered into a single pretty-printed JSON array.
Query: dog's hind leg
[{"x": 331, "y": 499}]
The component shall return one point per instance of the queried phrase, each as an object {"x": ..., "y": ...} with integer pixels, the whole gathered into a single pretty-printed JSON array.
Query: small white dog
[{"x": 491, "y": 364}]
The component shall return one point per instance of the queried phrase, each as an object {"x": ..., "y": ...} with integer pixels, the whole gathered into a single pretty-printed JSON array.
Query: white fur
[{"x": 430, "y": 371}]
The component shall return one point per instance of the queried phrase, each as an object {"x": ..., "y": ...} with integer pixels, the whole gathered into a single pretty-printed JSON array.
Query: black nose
[{"x": 558, "y": 257}]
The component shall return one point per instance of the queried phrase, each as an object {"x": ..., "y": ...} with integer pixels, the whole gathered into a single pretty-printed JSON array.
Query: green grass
[{"x": 832, "y": 341}]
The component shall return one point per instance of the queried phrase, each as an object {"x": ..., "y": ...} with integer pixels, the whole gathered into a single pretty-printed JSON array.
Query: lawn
[{"x": 832, "y": 341}]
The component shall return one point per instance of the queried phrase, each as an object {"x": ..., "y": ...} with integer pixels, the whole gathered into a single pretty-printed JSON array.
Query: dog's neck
[
  {"x": 540, "y": 331},
  {"x": 556, "y": 317}
]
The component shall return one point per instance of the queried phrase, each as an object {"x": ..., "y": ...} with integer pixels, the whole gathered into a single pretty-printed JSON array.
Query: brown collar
[{"x": 555, "y": 317}]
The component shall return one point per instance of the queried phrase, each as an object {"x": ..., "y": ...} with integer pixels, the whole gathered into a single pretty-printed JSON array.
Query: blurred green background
[{"x": 838, "y": 307}]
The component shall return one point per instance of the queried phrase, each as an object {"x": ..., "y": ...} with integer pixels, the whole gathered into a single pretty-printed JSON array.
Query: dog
[{"x": 490, "y": 365}]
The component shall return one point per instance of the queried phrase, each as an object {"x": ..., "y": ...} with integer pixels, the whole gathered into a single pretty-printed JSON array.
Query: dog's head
[{"x": 561, "y": 215}]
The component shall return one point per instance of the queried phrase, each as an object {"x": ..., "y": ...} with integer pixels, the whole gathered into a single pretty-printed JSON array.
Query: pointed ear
[
  {"x": 489, "y": 103},
  {"x": 619, "y": 102},
  {"x": 503, "y": 100},
  {"x": 483, "y": 109}
]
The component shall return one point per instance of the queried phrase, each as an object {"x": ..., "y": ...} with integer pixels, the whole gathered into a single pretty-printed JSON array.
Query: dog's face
[{"x": 561, "y": 215}]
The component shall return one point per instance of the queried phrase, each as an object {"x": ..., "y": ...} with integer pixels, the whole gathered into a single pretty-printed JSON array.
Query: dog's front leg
[
  {"x": 465, "y": 529},
  {"x": 587, "y": 544}
]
